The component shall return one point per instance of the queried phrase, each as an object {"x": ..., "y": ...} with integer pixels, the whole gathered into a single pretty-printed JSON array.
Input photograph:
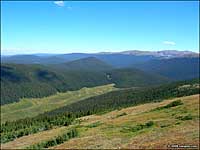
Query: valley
[
  {"x": 100, "y": 75},
  {"x": 35, "y": 106}
]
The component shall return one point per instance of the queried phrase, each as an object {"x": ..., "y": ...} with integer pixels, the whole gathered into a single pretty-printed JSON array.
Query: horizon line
[{"x": 101, "y": 52}]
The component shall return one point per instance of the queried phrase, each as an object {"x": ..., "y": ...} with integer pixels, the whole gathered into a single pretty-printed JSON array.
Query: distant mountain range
[
  {"x": 128, "y": 57},
  {"x": 162, "y": 54},
  {"x": 173, "y": 64}
]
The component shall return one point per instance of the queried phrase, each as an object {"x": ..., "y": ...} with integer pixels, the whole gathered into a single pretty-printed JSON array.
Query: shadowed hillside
[
  {"x": 34, "y": 81},
  {"x": 176, "y": 68}
]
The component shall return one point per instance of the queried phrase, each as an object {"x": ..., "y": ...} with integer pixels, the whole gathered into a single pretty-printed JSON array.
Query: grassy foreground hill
[{"x": 152, "y": 125}]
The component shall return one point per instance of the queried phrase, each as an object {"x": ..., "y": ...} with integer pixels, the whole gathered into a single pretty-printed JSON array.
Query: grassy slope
[
  {"x": 32, "y": 107},
  {"x": 110, "y": 130}
]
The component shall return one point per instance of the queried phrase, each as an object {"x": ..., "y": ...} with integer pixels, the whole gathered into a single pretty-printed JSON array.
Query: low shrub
[
  {"x": 55, "y": 141},
  {"x": 122, "y": 114},
  {"x": 172, "y": 104},
  {"x": 93, "y": 125},
  {"x": 138, "y": 127},
  {"x": 187, "y": 117}
]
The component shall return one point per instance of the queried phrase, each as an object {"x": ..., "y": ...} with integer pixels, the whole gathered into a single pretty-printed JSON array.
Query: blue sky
[{"x": 65, "y": 27}]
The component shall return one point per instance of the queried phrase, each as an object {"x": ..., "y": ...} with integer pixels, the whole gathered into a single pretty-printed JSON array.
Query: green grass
[
  {"x": 138, "y": 127},
  {"x": 32, "y": 107},
  {"x": 93, "y": 125}
]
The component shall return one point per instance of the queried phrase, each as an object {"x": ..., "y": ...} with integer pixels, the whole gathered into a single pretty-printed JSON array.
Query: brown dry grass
[{"x": 108, "y": 135}]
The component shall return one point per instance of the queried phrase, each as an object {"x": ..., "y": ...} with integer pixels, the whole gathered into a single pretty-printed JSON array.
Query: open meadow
[{"x": 32, "y": 107}]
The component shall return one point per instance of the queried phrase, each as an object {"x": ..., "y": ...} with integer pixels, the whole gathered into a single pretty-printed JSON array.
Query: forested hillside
[
  {"x": 129, "y": 97},
  {"x": 129, "y": 77},
  {"x": 32, "y": 81},
  {"x": 20, "y": 81},
  {"x": 175, "y": 68}
]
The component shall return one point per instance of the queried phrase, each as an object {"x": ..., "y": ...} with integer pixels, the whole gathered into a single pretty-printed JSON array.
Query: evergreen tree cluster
[
  {"x": 19, "y": 128},
  {"x": 55, "y": 141}
]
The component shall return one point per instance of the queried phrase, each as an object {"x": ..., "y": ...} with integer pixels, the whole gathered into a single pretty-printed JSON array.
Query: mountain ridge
[{"x": 88, "y": 63}]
